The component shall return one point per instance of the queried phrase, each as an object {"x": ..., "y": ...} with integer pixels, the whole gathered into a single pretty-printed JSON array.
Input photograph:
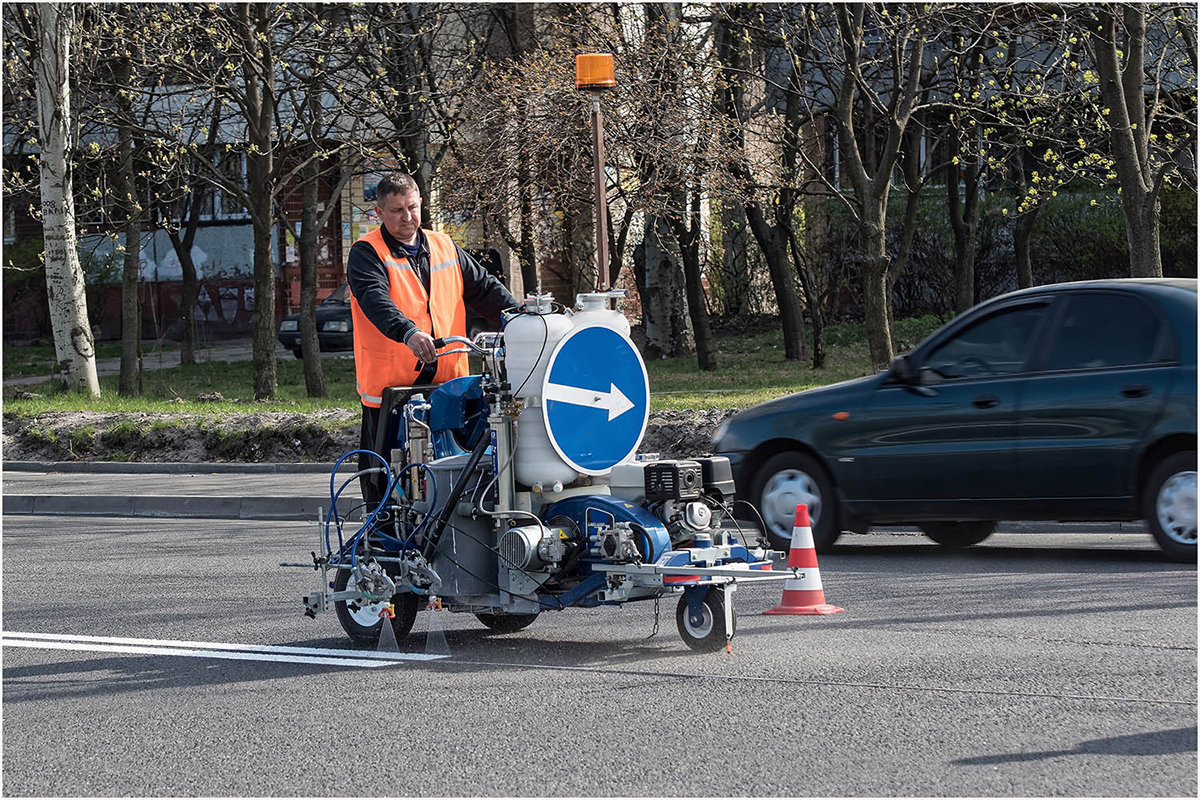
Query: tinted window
[
  {"x": 340, "y": 295},
  {"x": 1104, "y": 330},
  {"x": 996, "y": 345}
]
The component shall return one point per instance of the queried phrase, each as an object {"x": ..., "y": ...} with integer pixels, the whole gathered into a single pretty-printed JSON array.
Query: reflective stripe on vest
[{"x": 380, "y": 362}]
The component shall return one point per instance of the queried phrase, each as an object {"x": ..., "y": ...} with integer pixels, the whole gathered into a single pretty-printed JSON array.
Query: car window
[
  {"x": 340, "y": 295},
  {"x": 996, "y": 345},
  {"x": 1104, "y": 329}
]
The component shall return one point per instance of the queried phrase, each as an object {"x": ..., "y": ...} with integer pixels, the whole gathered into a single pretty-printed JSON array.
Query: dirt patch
[{"x": 266, "y": 436}]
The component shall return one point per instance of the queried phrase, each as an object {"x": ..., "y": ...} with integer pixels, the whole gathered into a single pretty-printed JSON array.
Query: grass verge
[{"x": 750, "y": 369}]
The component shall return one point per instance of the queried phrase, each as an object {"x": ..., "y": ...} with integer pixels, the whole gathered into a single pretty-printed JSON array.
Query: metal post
[{"x": 601, "y": 203}]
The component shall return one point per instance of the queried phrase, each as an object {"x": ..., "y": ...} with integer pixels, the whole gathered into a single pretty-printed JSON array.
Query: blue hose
[
  {"x": 334, "y": 494},
  {"x": 352, "y": 544}
]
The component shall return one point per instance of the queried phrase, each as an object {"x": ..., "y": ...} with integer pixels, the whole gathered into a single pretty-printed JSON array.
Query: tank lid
[
  {"x": 594, "y": 300},
  {"x": 539, "y": 303}
]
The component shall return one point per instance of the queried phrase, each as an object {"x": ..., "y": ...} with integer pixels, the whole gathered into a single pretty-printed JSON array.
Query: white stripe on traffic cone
[{"x": 804, "y": 593}]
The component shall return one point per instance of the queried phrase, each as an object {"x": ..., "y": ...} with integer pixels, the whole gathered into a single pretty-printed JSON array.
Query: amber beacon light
[{"x": 594, "y": 71}]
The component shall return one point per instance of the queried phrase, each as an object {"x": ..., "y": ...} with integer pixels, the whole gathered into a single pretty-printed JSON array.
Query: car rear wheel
[
  {"x": 298, "y": 353},
  {"x": 958, "y": 534},
  {"x": 1169, "y": 501},
  {"x": 786, "y": 480}
]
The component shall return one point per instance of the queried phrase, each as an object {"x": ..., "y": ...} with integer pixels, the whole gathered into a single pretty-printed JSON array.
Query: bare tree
[
  {"x": 1144, "y": 148},
  {"x": 773, "y": 189},
  {"x": 966, "y": 165},
  {"x": 327, "y": 49},
  {"x": 867, "y": 166}
]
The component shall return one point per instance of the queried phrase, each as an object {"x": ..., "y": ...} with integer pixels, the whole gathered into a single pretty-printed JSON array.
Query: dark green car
[{"x": 1075, "y": 401}]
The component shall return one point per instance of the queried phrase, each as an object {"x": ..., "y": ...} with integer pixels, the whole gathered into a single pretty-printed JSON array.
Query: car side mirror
[{"x": 901, "y": 370}]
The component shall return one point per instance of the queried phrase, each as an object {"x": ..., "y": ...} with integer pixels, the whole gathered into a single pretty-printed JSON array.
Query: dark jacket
[{"x": 482, "y": 293}]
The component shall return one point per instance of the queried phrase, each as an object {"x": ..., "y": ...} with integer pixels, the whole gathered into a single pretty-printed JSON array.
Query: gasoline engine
[{"x": 520, "y": 490}]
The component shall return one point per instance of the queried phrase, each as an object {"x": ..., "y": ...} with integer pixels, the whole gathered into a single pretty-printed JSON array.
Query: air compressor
[{"x": 521, "y": 490}]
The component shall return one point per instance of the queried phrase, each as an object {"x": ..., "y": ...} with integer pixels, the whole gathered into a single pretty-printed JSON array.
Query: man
[{"x": 408, "y": 287}]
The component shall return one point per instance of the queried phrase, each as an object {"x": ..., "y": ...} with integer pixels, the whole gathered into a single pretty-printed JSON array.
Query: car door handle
[
  {"x": 1135, "y": 390},
  {"x": 985, "y": 401}
]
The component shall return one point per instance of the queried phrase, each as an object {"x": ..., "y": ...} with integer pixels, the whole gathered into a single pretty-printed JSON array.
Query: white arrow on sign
[{"x": 614, "y": 400}]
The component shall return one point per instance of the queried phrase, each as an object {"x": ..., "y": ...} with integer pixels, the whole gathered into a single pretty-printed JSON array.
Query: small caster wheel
[{"x": 704, "y": 632}]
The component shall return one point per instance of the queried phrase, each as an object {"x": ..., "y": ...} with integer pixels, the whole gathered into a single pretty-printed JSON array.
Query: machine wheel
[
  {"x": 958, "y": 534},
  {"x": 298, "y": 353},
  {"x": 363, "y": 623},
  {"x": 1169, "y": 503},
  {"x": 506, "y": 623},
  {"x": 708, "y": 633},
  {"x": 786, "y": 480}
]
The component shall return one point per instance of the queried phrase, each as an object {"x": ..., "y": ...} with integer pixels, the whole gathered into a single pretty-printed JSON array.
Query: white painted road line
[{"x": 239, "y": 652}]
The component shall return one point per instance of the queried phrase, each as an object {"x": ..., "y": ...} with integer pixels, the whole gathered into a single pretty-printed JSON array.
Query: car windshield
[{"x": 340, "y": 296}]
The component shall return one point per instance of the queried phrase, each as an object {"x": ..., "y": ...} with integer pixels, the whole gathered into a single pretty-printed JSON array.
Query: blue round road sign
[{"x": 596, "y": 399}]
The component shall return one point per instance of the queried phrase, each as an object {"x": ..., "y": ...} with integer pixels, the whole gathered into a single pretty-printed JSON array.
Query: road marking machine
[{"x": 520, "y": 490}]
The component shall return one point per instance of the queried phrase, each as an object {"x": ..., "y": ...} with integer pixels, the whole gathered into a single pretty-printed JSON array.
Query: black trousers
[
  {"x": 382, "y": 441},
  {"x": 372, "y": 486}
]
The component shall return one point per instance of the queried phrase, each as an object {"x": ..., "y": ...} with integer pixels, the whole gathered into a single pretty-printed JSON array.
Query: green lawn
[
  {"x": 22, "y": 361},
  {"x": 750, "y": 369}
]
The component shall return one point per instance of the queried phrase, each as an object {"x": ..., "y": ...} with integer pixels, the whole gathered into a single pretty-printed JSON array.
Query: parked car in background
[
  {"x": 335, "y": 327},
  {"x": 1075, "y": 401}
]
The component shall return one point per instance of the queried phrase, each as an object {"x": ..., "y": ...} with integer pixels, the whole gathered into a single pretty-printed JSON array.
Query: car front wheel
[
  {"x": 1170, "y": 505},
  {"x": 786, "y": 480}
]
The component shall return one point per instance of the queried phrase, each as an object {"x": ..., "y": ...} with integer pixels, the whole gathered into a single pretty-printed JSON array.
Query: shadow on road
[
  {"x": 1158, "y": 743},
  {"x": 991, "y": 553}
]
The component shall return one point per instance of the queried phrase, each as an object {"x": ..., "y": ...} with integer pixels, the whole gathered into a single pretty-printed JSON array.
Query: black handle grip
[{"x": 439, "y": 342}]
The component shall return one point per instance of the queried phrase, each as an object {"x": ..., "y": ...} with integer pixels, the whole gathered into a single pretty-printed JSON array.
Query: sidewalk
[
  {"x": 156, "y": 358},
  {"x": 202, "y": 491}
]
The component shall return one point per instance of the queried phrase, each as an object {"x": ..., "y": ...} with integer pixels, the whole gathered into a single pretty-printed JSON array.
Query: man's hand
[{"x": 421, "y": 343}]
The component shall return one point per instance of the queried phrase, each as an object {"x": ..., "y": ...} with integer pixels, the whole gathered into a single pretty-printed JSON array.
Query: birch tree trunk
[{"x": 73, "y": 344}]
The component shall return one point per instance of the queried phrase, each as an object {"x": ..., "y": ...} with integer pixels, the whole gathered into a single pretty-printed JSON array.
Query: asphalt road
[{"x": 1060, "y": 664}]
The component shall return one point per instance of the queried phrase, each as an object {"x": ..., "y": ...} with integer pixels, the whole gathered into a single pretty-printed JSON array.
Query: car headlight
[
  {"x": 290, "y": 325},
  {"x": 336, "y": 326},
  {"x": 719, "y": 434}
]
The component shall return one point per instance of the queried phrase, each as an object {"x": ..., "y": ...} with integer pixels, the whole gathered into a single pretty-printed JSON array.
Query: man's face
[{"x": 401, "y": 215}]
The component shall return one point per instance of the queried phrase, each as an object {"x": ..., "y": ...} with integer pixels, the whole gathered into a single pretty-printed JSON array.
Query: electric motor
[{"x": 532, "y": 547}]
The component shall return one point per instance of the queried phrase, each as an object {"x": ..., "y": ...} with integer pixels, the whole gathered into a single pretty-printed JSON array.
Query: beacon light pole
[{"x": 594, "y": 75}]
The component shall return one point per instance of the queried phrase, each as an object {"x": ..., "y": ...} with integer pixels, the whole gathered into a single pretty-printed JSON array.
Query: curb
[
  {"x": 170, "y": 507},
  {"x": 173, "y": 468}
]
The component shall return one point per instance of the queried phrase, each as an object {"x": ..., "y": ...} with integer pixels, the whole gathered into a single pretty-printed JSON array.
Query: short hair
[{"x": 395, "y": 183}]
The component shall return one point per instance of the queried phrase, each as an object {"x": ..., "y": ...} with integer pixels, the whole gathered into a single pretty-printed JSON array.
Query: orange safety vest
[{"x": 380, "y": 362}]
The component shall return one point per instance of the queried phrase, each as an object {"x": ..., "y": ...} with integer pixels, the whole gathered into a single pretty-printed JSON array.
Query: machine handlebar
[{"x": 471, "y": 347}]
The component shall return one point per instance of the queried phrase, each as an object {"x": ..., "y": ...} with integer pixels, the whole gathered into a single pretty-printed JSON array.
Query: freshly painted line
[
  {"x": 245, "y": 652},
  {"x": 178, "y": 651}
]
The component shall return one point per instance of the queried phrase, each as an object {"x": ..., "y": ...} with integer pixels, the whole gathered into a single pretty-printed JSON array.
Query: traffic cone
[{"x": 803, "y": 595}]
